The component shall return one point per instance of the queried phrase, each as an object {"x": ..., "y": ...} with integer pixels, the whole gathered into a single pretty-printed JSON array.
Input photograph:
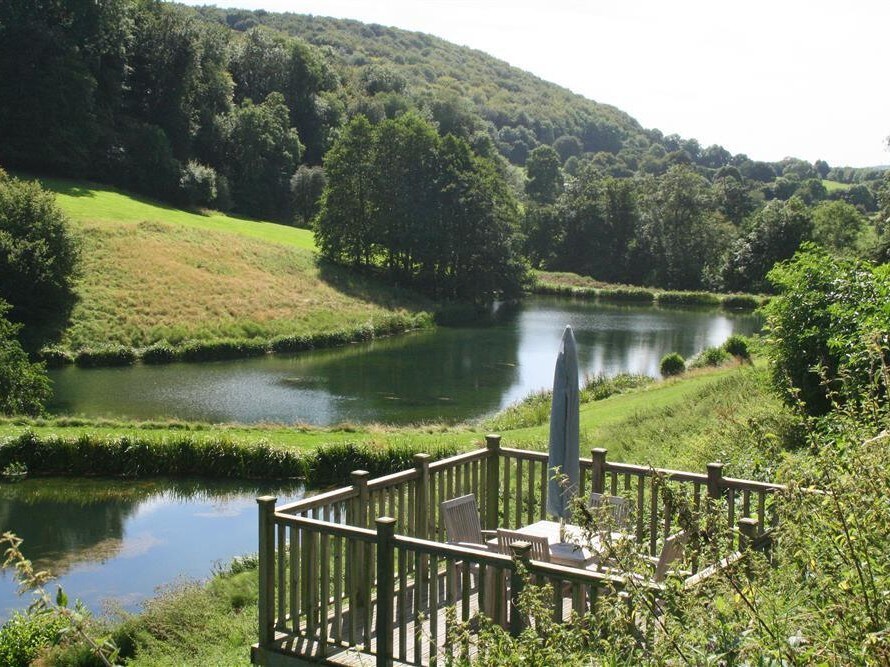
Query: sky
[{"x": 770, "y": 79}]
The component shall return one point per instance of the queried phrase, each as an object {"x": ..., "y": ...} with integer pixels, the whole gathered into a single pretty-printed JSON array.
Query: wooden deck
[{"x": 344, "y": 575}]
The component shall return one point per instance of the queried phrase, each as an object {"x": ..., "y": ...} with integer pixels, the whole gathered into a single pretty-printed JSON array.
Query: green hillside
[{"x": 151, "y": 272}]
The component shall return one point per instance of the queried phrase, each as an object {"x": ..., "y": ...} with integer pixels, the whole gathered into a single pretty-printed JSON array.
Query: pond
[
  {"x": 449, "y": 374},
  {"x": 112, "y": 543}
]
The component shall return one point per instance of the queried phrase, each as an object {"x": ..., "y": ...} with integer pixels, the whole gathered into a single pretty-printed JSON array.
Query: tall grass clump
[
  {"x": 688, "y": 299},
  {"x": 332, "y": 464},
  {"x": 182, "y": 454},
  {"x": 230, "y": 348},
  {"x": 634, "y": 294},
  {"x": 740, "y": 302},
  {"x": 55, "y": 357},
  {"x": 107, "y": 355},
  {"x": 710, "y": 356},
  {"x": 159, "y": 353},
  {"x": 738, "y": 346}
]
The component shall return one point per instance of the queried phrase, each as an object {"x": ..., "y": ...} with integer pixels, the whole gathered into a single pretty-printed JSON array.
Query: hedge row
[
  {"x": 231, "y": 348},
  {"x": 188, "y": 455},
  {"x": 643, "y": 295}
]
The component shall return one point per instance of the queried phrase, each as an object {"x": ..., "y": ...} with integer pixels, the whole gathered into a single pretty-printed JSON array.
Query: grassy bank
[
  {"x": 687, "y": 421},
  {"x": 152, "y": 273},
  {"x": 571, "y": 284}
]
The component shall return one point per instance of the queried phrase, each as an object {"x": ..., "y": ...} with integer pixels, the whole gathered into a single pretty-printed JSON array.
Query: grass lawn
[
  {"x": 833, "y": 186},
  {"x": 151, "y": 272},
  {"x": 93, "y": 202}
]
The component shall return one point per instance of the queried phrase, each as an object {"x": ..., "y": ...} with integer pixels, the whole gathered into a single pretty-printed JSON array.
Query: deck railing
[{"x": 364, "y": 568}]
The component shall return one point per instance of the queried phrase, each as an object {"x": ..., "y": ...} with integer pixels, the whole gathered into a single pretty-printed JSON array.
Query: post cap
[{"x": 385, "y": 521}]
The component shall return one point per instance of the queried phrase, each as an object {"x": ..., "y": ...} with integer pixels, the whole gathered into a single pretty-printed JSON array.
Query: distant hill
[{"x": 519, "y": 109}]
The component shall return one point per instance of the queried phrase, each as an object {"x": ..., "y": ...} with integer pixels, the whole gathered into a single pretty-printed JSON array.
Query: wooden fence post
[
  {"x": 748, "y": 530},
  {"x": 360, "y": 511},
  {"x": 715, "y": 480},
  {"x": 492, "y": 480},
  {"x": 421, "y": 526},
  {"x": 386, "y": 527},
  {"x": 266, "y": 600},
  {"x": 598, "y": 471},
  {"x": 521, "y": 553}
]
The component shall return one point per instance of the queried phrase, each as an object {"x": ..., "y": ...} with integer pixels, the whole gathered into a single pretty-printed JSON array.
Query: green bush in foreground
[
  {"x": 25, "y": 635},
  {"x": 24, "y": 387},
  {"x": 672, "y": 364}
]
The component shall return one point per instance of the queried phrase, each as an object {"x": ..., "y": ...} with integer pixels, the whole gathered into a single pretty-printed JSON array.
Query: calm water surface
[
  {"x": 115, "y": 542},
  {"x": 449, "y": 374}
]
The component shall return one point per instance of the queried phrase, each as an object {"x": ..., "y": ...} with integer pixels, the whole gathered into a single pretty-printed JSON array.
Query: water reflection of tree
[
  {"x": 68, "y": 521},
  {"x": 431, "y": 376}
]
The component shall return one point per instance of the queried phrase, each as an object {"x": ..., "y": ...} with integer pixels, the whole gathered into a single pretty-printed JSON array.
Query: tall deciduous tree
[
  {"x": 544, "y": 175},
  {"x": 38, "y": 258},
  {"x": 263, "y": 152}
]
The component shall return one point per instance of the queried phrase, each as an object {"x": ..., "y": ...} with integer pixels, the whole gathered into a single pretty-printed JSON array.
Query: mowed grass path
[{"x": 151, "y": 272}]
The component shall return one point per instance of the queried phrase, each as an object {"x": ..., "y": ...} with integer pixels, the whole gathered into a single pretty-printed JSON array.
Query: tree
[
  {"x": 263, "y": 151},
  {"x": 837, "y": 227},
  {"x": 306, "y": 187},
  {"x": 38, "y": 259},
  {"x": 544, "y": 175},
  {"x": 822, "y": 168},
  {"x": 774, "y": 234},
  {"x": 24, "y": 387},
  {"x": 682, "y": 232},
  {"x": 344, "y": 230}
]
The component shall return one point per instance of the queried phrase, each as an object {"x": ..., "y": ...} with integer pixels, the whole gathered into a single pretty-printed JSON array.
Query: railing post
[
  {"x": 748, "y": 532},
  {"x": 598, "y": 470},
  {"x": 421, "y": 526},
  {"x": 360, "y": 506},
  {"x": 521, "y": 553},
  {"x": 266, "y": 600},
  {"x": 715, "y": 480},
  {"x": 492, "y": 483},
  {"x": 386, "y": 527}
]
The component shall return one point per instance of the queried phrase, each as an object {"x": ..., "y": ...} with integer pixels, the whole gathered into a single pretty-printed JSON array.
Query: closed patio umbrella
[{"x": 564, "y": 451}]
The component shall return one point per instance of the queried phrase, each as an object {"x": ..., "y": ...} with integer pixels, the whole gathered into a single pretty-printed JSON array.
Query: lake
[
  {"x": 114, "y": 541},
  {"x": 448, "y": 374}
]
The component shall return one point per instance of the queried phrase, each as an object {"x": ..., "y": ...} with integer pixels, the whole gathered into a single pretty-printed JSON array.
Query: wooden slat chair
[
  {"x": 463, "y": 528},
  {"x": 672, "y": 551},
  {"x": 540, "y": 546},
  {"x": 620, "y": 508}
]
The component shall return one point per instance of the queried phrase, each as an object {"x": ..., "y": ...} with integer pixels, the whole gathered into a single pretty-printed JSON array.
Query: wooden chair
[
  {"x": 540, "y": 545},
  {"x": 671, "y": 551},
  {"x": 620, "y": 508},
  {"x": 462, "y": 527}
]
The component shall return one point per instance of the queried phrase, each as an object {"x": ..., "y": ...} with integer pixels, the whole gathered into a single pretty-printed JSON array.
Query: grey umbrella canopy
[{"x": 564, "y": 453}]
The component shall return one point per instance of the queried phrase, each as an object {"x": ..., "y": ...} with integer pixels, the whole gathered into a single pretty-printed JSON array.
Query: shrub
[
  {"x": 688, "y": 299},
  {"x": 55, "y": 357},
  {"x": 738, "y": 346},
  {"x": 740, "y": 302},
  {"x": 828, "y": 337},
  {"x": 198, "y": 184},
  {"x": 332, "y": 464},
  {"x": 710, "y": 356},
  {"x": 160, "y": 353},
  {"x": 672, "y": 364},
  {"x": 24, "y": 387},
  {"x": 626, "y": 294},
  {"x": 23, "y": 637},
  {"x": 284, "y": 344},
  {"x": 109, "y": 355},
  {"x": 227, "y": 348}
]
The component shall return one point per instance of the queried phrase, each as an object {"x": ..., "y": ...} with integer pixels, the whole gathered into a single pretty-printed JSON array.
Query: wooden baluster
[
  {"x": 492, "y": 495},
  {"x": 266, "y": 600}
]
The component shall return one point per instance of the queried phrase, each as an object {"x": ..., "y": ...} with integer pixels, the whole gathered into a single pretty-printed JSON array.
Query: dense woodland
[{"x": 257, "y": 113}]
